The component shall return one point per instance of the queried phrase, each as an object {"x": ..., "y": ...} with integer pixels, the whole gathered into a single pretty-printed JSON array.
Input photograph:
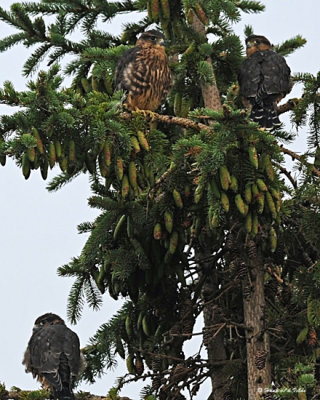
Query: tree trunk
[
  {"x": 210, "y": 93},
  {"x": 215, "y": 342},
  {"x": 258, "y": 346},
  {"x": 215, "y": 347}
]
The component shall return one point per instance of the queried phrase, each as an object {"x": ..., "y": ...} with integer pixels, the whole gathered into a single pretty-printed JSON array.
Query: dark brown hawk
[
  {"x": 264, "y": 80},
  {"x": 53, "y": 356},
  {"x": 143, "y": 72}
]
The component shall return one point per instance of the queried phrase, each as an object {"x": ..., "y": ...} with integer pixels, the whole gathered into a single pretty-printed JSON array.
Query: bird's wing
[
  {"x": 250, "y": 76},
  {"x": 47, "y": 344},
  {"x": 128, "y": 58},
  {"x": 71, "y": 348},
  {"x": 44, "y": 354},
  {"x": 276, "y": 73},
  {"x": 264, "y": 70}
]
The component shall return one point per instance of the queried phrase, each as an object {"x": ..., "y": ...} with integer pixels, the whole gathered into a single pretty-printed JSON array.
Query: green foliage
[
  {"x": 290, "y": 45},
  {"x": 248, "y": 30},
  {"x": 309, "y": 103},
  {"x": 313, "y": 312},
  {"x": 302, "y": 335},
  {"x": 34, "y": 395},
  {"x": 3, "y": 390}
]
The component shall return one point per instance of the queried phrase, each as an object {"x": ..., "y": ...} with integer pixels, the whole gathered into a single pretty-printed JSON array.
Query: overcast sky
[{"x": 38, "y": 229}]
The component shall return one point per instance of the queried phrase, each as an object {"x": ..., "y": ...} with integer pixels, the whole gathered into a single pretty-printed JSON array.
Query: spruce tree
[{"x": 199, "y": 214}]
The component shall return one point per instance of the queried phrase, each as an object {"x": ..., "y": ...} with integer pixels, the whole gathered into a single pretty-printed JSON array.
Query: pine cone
[
  {"x": 187, "y": 326},
  {"x": 207, "y": 336},
  {"x": 272, "y": 287},
  {"x": 227, "y": 395},
  {"x": 252, "y": 249},
  {"x": 231, "y": 244},
  {"x": 156, "y": 383},
  {"x": 312, "y": 337},
  {"x": 156, "y": 364},
  {"x": 260, "y": 360},
  {"x": 179, "y": 372},
  {"x": 139, "y": 365},
  {"x": 234, "y": 266},
  {"x": 243, "y": 270},
  {"x": 247, "y": 290},
  {"x": 175, "y": 330}
]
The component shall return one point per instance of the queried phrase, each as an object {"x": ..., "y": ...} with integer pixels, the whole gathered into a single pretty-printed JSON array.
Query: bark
[
  {"x": 210, "y": 93},
  {"x": 288, "y": 106},
  {"x": 296, "y": 156},
  {"x": 169, "y": 119},
  {"x": 215, "y": 348},
  {"x": 258, "y": 346}
]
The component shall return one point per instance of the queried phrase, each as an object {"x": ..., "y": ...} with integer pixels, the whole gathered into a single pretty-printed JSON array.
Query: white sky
[{"x": 38, "y": 229}]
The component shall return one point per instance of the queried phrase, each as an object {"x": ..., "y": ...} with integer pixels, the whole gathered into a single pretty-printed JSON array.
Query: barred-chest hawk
[
  {"x": 143, "y": 72},
  {"x": 53, "y": 356},
  {"x": 264, "y": 80}
]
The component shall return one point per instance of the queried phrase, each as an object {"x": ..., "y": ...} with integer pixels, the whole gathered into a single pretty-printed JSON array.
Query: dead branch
[
  {"x": 300, "y": 158},
  {"x": 288, "y": 106},
  {"x": 287, "y": 174},
  {"x": 169, "y": 119}
]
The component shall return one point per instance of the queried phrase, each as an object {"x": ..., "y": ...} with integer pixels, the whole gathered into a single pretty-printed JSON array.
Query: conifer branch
[
  {"x": 23, "y": 394},
  {"x": 169, "y": 119},
  {"x": 287, "y": 174},
  {"x": 301, "y": 159},
  {"x": 288, "y": 106}
]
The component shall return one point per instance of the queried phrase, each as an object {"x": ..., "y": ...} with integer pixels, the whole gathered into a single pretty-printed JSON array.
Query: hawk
[
  {"x": 143, "y": 72},
  {"x": 53, "y": 356},
  {"x": 264, "y": 80}
]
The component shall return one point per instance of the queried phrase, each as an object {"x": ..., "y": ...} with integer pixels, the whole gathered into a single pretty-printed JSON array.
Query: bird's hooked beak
[{"x": 162, "y": 42}]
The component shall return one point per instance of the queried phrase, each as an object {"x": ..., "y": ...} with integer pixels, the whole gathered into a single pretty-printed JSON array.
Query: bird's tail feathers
[
  {"x": 61, "y": 391},
  {"x": 64, "y": 394},
  {"x": 265, "y": 115},
  {"x": 53, "y": 379},
  {"x": 69, "y": 396}
]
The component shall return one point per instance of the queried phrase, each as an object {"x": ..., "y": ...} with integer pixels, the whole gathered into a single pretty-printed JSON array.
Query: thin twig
[
  {"x": 300, "y": 158},
  {"x": 287, "y": 174}
]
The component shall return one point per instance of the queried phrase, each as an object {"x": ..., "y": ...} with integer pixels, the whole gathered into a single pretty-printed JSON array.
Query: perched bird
[
  {"x": 264, "y": 80},
  {"x": 53, "y": 356},
  {"x": 143, "y": 72}
]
